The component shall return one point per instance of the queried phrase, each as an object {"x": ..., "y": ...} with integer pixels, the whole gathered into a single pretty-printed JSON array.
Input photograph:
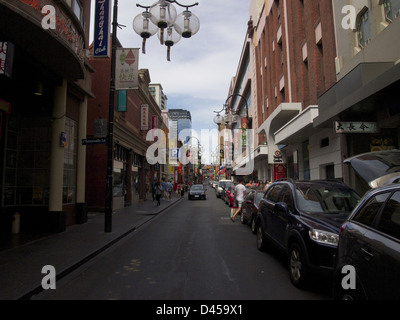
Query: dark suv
[
  {"x": 303, "y": 218},
  {"x": 369, "y": 244}
]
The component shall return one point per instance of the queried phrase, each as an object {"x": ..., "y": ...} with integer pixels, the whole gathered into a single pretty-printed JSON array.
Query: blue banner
[{"x": 102, "y": 23}]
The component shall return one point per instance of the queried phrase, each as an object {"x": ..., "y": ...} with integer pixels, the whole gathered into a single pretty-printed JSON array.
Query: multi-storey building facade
[
  {"x": 295, "y": 50},
  {"x": 45, "y": 81},
  {"x": 363, "y": 108},
  {"x": 158, "y": 94},
  {"x": 319, "y": 82}
]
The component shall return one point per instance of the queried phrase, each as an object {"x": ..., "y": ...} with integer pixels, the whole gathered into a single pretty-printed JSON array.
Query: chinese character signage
[
  {"x": 144, "y": 117},
  {"x": 126, "y": 69},
  {"x": 102, "y": 22},
  {"x": 356, "y": 127}
]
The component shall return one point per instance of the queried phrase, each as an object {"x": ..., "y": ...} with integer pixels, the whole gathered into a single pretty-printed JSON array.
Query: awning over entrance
[
  {"x": 298, "y": 129},
  {"x": 283, "y": 114},
  {"x": 363, "y": 82}
]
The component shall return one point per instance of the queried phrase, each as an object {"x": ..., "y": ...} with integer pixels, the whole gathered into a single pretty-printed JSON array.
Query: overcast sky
[{"x": 201, "y": 68}]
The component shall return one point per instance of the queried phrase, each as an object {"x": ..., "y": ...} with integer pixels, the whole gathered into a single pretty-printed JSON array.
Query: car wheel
[
  {"x": 297, "y": 266},
  {"x": 261, "y": 239}
]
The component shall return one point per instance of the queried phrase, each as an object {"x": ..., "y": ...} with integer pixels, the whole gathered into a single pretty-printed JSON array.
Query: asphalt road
[{"x": 191, "y": 252}]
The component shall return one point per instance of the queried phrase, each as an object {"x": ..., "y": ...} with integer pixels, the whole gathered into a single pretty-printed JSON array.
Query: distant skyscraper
[{"x": 181, "y": 120}]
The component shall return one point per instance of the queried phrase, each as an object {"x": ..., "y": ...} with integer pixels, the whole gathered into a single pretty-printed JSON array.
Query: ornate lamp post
[{"x": 163, "y": 16}]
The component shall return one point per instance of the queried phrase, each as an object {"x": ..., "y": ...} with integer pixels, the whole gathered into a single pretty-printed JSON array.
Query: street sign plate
[{"x": 92, "y": 141}]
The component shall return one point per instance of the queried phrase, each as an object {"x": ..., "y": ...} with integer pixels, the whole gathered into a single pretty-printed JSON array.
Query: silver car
[{"x": 219, "y": 187}]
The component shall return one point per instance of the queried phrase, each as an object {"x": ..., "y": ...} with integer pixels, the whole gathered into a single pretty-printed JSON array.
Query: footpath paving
[{"x": 21, "y": 267}]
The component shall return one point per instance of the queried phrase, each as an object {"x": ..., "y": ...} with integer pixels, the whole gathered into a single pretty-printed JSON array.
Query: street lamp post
[
  {"x": 157, "y": 16},
  {"x": 231, "y": 117}
]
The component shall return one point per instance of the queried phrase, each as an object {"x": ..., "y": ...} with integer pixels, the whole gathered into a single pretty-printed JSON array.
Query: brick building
[
  {"x": 295, "y": 63},
  {"x": 132, "y": 174}
]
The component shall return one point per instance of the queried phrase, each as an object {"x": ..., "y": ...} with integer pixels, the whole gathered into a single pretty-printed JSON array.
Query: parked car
[
  {"x": 369, "y": 241},
  {"x": 225, "y": 189},
  {"x": 230, "y": 195},
  {"x": 250, "y": 207},
  {"x": 303, "y": 218},
  {"x": 218, "y": 189},
  {"x": 214, "y": 184},
  {"x": 197, "y": 191},
  {"x": 376, "y": 169}
]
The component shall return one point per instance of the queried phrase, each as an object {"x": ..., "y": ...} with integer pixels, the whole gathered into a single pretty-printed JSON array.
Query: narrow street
[{"x": 191, "y": 252}]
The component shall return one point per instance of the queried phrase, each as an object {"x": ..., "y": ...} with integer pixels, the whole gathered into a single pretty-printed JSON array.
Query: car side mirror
[{"x": 281, "y": 207}]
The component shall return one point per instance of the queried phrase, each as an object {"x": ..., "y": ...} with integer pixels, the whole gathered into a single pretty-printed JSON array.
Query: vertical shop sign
[
  {"x": 244, "y": 131},
  {"x": 154, "y": 125},
  {"x": 126, "y": 69},
  {"x": 102, "y": 23},
  {"x": 122, "y": 101},
  {"x": 144, "y": 117}
]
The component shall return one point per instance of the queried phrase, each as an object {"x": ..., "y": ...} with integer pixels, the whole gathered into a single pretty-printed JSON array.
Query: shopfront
[{"x": 43, "y": 100}]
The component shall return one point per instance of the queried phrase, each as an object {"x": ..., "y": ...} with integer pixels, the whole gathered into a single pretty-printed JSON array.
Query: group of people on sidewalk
[{"x": 162, "y": 191}]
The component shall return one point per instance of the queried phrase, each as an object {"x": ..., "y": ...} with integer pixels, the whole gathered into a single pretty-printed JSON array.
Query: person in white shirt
[{"x": 240, "y": 193}]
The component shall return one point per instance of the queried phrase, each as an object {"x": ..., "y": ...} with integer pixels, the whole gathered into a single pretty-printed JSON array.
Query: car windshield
[
  {"x": 197, "y": 188},
  {"x": 318, "y": 198},
  {"x": 376, "y": 164},
  {"x": 223, "y": 183}
]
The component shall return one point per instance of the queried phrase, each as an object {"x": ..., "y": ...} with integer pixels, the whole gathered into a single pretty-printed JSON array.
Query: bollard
[{"x": 16, "y": 223}]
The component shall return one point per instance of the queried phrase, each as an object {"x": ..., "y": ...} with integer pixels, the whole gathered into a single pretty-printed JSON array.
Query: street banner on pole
[
  {"x": 126, "y": 69},
  {"x": 102, "y": 24}
]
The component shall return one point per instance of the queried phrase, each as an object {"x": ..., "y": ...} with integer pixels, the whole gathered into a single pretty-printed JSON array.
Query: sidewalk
[{"x": 21, "y": 267}]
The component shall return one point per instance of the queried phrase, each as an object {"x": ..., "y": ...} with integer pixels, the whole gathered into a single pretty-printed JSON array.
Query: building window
[
  {"x": 363, "y": 28},
  {"x": 70, "y": 152},
  {"x": 392, "y": 9},
  {"x": 76, "y": 7}
]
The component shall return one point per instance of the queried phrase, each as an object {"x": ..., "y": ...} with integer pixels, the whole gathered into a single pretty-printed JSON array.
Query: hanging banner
[
  {"x": 244, "y": 131},
  {"x": 102, "y": 23},
  {"x": 154, "y": 125},
  {"x": 144, "y": 117},
  {"x": 122, "y": 101},
  {"x": 126, "y": 69}
]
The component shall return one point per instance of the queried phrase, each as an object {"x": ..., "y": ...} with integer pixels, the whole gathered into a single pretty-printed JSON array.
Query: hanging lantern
[
  {"x": 170, "y": 38},
  {"x": 218, "y": 119},
  {"x": 163, "y": 14},
  {"x": 187, "y": 24},
  {"x": 143, "y": 27}
]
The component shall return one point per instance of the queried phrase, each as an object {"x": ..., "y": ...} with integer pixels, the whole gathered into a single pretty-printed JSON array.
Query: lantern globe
[
  {"x": 163, "y": 14},
  {"x": 187, "y": 24}
]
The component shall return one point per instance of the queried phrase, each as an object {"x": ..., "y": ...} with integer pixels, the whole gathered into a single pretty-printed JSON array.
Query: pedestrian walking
[
  {"x": 267, "y": 184},
  {"x": 182, "y": 191},
  {"x": 158, "y": 193},
  {"x": 163, "y": 188},
  {"x": 240, "y": 192},
  {"x": 170, "y": 188},
  {"x": 153, "y": 189}
]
